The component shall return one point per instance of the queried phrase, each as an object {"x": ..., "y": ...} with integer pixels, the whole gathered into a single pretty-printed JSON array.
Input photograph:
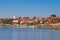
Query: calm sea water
[{"x": 29, "y": 34}]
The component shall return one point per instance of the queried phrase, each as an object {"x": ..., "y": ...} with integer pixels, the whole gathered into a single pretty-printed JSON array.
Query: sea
[{"x": 29, "y": 34}]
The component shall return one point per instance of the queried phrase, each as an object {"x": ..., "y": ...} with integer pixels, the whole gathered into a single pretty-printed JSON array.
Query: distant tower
[{"x": 14, "y": 17}]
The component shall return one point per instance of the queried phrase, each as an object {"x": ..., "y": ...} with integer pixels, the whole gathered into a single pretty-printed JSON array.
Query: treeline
[{"x": 6, "y": 21}]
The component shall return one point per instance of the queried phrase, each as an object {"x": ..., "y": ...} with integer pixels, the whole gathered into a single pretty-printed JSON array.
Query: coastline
[{"x": 39, "y": 26}]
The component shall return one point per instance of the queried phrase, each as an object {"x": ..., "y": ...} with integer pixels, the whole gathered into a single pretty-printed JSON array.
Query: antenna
[{"x": 14, "y": 16}]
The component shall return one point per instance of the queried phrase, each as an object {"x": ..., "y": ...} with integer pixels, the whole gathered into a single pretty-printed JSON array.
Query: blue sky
[{"x": 31, "y": 8}]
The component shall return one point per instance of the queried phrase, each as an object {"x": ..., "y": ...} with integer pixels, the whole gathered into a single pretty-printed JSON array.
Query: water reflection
[
  {"x": 36, "y": 34},
  {"x": 5, "y": 34},
  {"x": 29, "y": 34}
]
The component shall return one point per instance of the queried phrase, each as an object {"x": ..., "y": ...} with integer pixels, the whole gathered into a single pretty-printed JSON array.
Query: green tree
[
  {"x": 54, "y": 15},
  {"x": 7, "y": 21},
  {"x": 25, "y": 17}
]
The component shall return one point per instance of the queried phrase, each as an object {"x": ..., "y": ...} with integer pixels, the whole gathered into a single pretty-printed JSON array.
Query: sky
[{"x": 29, "y": 8}]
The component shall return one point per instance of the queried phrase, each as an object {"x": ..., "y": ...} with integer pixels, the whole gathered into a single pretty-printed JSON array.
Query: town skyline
[
  {"x": 30, "y": 17},
  {"x": 35, "y": 22}
]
